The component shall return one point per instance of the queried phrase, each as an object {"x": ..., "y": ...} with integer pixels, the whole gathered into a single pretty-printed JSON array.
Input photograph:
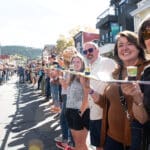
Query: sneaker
[
  {"x": 60, "y": 143},
  {"x": 68, "y": 147},
  {"x": 58, "y": 139}
]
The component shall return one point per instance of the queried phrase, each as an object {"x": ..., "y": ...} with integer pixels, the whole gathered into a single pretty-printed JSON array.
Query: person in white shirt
[{"x": 101, "y": 68}]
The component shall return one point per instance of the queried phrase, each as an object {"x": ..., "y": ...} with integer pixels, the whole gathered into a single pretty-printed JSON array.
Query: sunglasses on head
[{"x": 90, "y": 50}]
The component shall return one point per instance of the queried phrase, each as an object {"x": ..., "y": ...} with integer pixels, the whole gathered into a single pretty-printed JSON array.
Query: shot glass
[
  {"x": 71, "y": 67},
  {"x": 87, "y": 70},
  {"x": 132, "y": 73}
]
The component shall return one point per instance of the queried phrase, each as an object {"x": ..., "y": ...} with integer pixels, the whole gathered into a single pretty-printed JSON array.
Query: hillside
[{"x": 21, "y": 50}]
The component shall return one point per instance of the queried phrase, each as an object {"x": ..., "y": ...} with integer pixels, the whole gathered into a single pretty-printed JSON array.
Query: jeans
[
  {"x": 47, "y": 87},
  {"x": 136, "y": 138},
  {"x": 21, "y": 78},
  {"x": 146, "y": 136},
  {"x": 39, "y": 82},
  {"x": 111, "y": 144},
  {"x": 66, "y": 134},
  {"x": 55, "y": 94},
  {"x": 43, "y": 85},
  {"x": 136, "y": 132}
]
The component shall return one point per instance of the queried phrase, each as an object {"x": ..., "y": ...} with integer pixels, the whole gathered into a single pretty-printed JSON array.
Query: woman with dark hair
[
  {"x": 144, "y": 40},
  {"x": 143, "y": 115},
  {"x": 120, "y": 129},
  {"x": 131, "y": 37}
]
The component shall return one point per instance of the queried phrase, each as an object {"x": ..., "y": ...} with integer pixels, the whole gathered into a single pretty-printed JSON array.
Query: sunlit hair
[
  {"x": 67, "y": 54},
  {"x": 144, "y": 24},
  {"x": 132, "y": 38}
]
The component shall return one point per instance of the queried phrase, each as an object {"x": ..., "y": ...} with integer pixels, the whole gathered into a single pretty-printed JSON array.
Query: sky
[{"x": 35, "y": 23}]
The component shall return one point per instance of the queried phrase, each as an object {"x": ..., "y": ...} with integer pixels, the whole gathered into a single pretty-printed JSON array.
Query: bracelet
[{"x": 91, "y": 92}]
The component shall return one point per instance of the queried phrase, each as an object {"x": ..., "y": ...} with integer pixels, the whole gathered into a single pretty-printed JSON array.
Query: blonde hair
[{"x": 68, "y": 54}]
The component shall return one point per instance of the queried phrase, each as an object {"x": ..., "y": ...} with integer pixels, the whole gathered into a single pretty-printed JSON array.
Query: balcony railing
[
  {"x": 142, "y": 3},
  {"x": 109, "y": 11}
]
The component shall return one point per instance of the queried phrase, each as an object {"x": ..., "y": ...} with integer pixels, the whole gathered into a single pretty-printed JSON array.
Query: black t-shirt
[{"x": 146, "y": 89}]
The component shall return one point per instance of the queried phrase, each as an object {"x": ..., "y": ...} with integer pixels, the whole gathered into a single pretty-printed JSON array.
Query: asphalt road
[{"x": 25, "y": 118}]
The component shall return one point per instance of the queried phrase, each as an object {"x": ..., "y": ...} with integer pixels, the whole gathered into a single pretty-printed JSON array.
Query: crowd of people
[
  {"x": 6, "y": 71},
  {"x": 116, "y": 115}
]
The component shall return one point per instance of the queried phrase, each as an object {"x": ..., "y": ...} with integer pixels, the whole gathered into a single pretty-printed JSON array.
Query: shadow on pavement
[{"x": 32, "y": 120}]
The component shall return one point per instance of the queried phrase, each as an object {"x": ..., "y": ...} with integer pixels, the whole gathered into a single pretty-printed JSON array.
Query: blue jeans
[
  {"x": 136, "y": 138},
  {"x": 55, "y": 94},
  {"x": 21, "y": 78},
  {"x": 136, "y": 132},
  {"x": 66, "y": 133},
  {"x": 111, "y": 144},
  {"x": 47, "y": 87}
]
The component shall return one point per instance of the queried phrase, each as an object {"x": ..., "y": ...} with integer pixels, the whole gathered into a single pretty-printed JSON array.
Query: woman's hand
[
  {"x": 95, "y": 96},
  {"x": 133, "y": 89}
]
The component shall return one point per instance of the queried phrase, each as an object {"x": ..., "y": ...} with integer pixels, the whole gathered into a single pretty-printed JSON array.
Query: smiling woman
[{"x": 123, "y": 130}]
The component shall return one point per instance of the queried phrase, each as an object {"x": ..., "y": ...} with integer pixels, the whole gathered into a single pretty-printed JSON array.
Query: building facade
[
  {"x": 81, "y": 37},
  {"x": 113, "y": 20},
  {"x": 143, "y": 9}
]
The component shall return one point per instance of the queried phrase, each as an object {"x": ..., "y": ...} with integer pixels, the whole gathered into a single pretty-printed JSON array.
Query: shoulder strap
[{"x": 122, "y": 97}]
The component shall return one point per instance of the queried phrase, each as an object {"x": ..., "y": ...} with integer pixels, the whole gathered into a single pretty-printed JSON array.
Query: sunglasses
[{"x": 90, "y": 50}]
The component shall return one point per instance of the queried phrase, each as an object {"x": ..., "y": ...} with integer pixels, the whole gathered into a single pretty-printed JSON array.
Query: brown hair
[
  {"x": 132, "y": 38},
  {"x": 145, "y": 23},
  {"x": 75, "y": 77}
]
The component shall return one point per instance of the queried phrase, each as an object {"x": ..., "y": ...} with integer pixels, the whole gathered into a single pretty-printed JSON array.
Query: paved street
[{"x": 25, "y": 117}]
